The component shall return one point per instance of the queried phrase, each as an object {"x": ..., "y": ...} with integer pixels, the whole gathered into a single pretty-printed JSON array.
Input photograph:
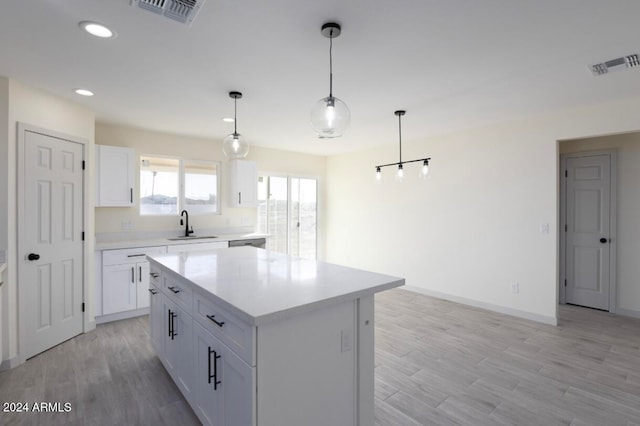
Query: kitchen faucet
[{"x": 187, "y": 231}]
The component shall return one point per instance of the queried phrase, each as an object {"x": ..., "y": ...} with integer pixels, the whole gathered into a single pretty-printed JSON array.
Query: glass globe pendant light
[
  {"x": 234, "y": 145},
  {"x": 330, "y": 116}
]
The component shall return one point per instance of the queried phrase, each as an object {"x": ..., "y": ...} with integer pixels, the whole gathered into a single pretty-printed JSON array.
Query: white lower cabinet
[
  {"x": 219, "y": 385},
  {"x": 313, "y": 369},
  {"x": 125, "y": 279},
  {"x": 224, "y": 382},
  {"x": 177, "y": 347},
  {"x": 119, "y": 288}
]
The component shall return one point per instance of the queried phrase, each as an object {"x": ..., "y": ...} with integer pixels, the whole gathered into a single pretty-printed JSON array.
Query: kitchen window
[
  {"x": 169, "y": 185},
  {"x": 288, "y": 212}
]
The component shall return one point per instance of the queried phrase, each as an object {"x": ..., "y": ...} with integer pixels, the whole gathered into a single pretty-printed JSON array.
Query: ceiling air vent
[
  {"x": 617, "y": 64},
  {"x": 184, "y": 11}
]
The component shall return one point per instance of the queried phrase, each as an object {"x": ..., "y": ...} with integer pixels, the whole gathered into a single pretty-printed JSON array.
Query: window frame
[{"x": 181, "y": 199}]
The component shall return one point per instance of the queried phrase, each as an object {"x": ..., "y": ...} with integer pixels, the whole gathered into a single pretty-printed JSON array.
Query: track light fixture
[{"x": 400, "y": 169}]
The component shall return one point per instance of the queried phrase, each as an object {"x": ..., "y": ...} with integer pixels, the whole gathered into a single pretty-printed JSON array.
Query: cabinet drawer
[
  {"x": 178, "y": 291},
  {"x": 235, "y": 333},
  {"x": 132, "y": 255}
]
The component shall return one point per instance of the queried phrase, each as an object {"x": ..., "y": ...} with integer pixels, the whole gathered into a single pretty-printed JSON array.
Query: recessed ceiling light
[
  {"x": 228, "y": 119},
  {"x": 83, "y": 92},
  {"x": 97, "y": 30}
]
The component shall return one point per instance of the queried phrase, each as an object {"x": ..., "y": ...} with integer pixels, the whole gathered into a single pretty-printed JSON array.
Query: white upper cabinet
[
  {"x": 114, "y": 176},
  {"x": 243, "y": 183}
]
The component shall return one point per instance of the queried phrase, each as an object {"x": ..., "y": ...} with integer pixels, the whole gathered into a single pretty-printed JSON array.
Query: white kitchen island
[{"x": 257, "y": 338}]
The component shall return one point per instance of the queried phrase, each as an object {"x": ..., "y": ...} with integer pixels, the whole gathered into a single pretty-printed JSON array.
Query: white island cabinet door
[
  {"x": 225, "y": 385},
  {"x": 118, "y": 288},
  {"x": 177, "y": 348}
]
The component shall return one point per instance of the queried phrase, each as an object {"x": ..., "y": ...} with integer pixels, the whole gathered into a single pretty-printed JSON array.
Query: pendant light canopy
[
  {"x": 234, "y": 145},
  {"x": 400, "y": 164},
  {"x": 330, "y": 116}
]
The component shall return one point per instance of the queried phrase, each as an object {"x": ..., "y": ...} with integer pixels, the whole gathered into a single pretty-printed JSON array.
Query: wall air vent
[
  {"x": 184, "y": 11},
  {"x": 629, "y": 61}
]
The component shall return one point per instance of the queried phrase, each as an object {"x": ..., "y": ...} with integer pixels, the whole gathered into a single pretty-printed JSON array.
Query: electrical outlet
[
  {"x": 127, "y": 225},
  {"x": 346, "y": 340},
  {"x": 515, "y": 288},
  {"x": 544, "y": 228}
]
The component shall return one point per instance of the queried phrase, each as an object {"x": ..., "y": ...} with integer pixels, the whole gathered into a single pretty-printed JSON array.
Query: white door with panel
[
  {"x": 50, "y": 242},
  {"x": 588, "y": 231}
]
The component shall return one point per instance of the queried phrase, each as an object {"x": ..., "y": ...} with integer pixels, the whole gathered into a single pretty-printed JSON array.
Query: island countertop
[{"x": 260, "y": 286}]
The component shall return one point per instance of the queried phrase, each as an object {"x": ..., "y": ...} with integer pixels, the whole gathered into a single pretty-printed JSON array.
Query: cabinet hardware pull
[
  {"x": 152, "y": 291},
  {"x": 239, "y": 197},
  {"x": 136, "y": 255},
  {"x": 169, "y": 318},
  {"x": 218, "y": 323},
  {"x": 216, "y": 382},
  {"x": 131, "y": 192},
  {"x": 173, "y": 325},
  {"x": 154, "y": 274},
  {"x": 209, "y": 364},
  {"x": 140, "y": 275},
  {"x": 133, "y": 275},
  {"x": 174, "y": 289}
]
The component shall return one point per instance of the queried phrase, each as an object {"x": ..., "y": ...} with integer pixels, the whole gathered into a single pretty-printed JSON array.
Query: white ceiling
[{"x": 451, "y": 64}]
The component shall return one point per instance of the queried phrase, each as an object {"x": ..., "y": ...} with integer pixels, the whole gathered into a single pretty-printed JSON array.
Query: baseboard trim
[
  {"x": 8, "y": 364},
  {"x": 628, "y": 313},
  {"x": 483, "y": 305},
  {"x": 122, "y": 315}
]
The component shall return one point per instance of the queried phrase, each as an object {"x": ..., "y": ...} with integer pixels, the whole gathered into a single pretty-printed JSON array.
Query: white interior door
[
  {"x": 588, "y": 219},
  {"x": 50, "y": 242}
]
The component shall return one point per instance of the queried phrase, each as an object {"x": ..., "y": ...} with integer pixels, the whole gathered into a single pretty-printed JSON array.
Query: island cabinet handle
[
  {"x": 174, "y": 289},
  {"x": 213, "y": 318},
  {"x": 136, "y": 255},
  {"x": 172, "y": 331},
  {"x": 169, "y": 317},
  {"x": 152, "y": 291},
  {"x": 154, "y": 274},
  {"x": 214, "y": 376}
]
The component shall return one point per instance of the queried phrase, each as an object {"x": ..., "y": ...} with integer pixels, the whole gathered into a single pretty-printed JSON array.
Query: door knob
[
  {"x": 33, "y": 256},
  {"x": 603, "y": 240}
]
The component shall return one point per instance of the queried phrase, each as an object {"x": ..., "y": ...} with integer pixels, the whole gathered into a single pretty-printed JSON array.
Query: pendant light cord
[
  {"x": 331, "y": 64},
  {"x": 400, "y": 135},
  {"x": 235, "y": 116}
]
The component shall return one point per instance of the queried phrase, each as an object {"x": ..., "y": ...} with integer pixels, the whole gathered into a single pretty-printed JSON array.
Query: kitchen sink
[{"x": 192, "y": 237}]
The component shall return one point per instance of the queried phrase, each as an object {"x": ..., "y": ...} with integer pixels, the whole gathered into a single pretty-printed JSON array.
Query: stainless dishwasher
[{"x": 255, "y": 242}]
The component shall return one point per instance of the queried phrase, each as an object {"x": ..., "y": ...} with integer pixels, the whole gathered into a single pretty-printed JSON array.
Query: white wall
[
  {"x": 473, "y": 229},
  {"x": 628, "y": 212},
  {"x": 37, "y": 108},
  {"x": 110, "y": 219}
]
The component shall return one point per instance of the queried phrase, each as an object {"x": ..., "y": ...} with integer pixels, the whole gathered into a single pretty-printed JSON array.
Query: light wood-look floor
[
  {"x": 442, "y": 363},
  {"x": 437, "y": 363}
]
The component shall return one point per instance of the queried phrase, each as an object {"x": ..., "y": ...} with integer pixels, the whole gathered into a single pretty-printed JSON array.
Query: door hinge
[
  {"x": 566, "y": 173},
  {"x": 82, "y": 235},
  {"x": 82, "y": 306},
  {"x": 83, "y": 164}
]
